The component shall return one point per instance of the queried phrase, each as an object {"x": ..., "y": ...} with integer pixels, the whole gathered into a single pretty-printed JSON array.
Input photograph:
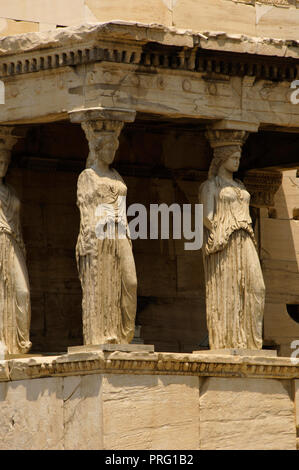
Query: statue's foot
[
  {"x": 112, "y": 340},
  {"x": 25, "y": 347}
]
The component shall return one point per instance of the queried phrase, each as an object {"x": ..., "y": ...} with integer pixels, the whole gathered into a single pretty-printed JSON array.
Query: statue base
[
  {"x": 238, "y": 352},
  {"x": 111, "y": 348}
]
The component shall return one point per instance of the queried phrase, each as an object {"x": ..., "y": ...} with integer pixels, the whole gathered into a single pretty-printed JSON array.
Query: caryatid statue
[
  {"x": 104, "y": 249},
  {"x": 235, "y": 290},
  {"x": 15, "y": 312}
]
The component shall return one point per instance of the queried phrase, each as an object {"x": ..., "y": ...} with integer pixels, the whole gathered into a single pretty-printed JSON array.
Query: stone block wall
[{"x": 146, "y": 410}]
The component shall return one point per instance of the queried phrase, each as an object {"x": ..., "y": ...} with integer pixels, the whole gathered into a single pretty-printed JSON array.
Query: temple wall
[
  {"x": 50, "y": 227},
  {"x": 280, "y": 261},
  {"x": 145, "y": 409},
  {"x": 277, "y": 18},
  {"x": 171, "y": 285},
  {"x": 50, "y": 222}
]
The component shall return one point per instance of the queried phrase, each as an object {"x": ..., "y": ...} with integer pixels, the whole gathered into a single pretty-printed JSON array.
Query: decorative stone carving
[
  {"x": 104, "y": 250},
  {"x": 262, "y": 185},
  {"x": 27, "y": 54},
  {"x": 201, "y": 365},
  {"x": 15, "y": 312},
  {"x": 235, "y": 290}
]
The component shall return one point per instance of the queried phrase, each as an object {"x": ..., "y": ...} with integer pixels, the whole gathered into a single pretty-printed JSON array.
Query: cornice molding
[
  {"x": 150, "y": 47},
  {"x": 148, "y": 364}
]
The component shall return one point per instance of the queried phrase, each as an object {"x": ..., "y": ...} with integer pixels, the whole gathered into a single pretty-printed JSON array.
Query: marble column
[
  {"x": 235, "y": 290},
  {"x": 15, "y": 312},
  {"x": 104, "y": 249}
]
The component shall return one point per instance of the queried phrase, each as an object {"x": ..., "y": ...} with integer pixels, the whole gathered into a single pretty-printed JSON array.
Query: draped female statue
[
  {"x": 15, "y": 310},
  {"x": 235, "y": 290},
  {"x": 105, "y": 263}
]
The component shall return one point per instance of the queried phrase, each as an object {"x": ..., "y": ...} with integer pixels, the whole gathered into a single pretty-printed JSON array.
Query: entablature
[
  {"x": 148, "y": 69},
  {"x": 148, "y": 364}
]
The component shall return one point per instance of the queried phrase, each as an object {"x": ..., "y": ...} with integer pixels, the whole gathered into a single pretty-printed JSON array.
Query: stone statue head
[
  {"x": 104, "y": 148},
  {"x": 227, "y": 156},
  {"x": 102, "y": 139},
  {"x": 5, "y": 155},
  {"x": 227, "y": 145}
]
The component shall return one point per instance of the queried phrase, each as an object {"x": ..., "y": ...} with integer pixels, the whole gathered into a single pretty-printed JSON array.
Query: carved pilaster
[{"x": 262, "y": 185}]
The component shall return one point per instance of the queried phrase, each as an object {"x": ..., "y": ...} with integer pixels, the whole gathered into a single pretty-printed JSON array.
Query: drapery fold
[
  {"x": 106, "y": 266},
  {"x": 235, "y": 289}
]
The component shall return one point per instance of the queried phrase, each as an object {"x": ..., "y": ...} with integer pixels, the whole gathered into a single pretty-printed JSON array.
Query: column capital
[
  {"x": 225, "y": 137},
  {"x": 102, "y": 114},
  {"x": 234, "y": 125},
  {"x": 9, "y": 136},
  {"x": 101, "y": 125}
]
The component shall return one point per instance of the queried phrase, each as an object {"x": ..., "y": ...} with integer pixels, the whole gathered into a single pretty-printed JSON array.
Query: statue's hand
[{"x": 208, "y": 223}]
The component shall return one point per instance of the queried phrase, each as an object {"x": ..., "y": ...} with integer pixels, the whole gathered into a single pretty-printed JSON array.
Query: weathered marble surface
[
  {"x": 31, "y": 414},
  {"x": 235, "y": 289},
  {"x": 82, "y": 412},
  {"x": 104, "y": 250},
  {"x": 148, "y": 401},
  {"x": 246, "y": 414},
  {"x": 162, "y": 412},
  {"x": 49, "y": 56}
]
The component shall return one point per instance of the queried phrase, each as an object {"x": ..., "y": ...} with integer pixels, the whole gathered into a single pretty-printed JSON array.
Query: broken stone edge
[{"x": 144, "y": 33}]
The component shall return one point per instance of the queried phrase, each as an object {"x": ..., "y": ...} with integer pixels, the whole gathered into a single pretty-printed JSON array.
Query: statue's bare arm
[{"x": 208, "y": 201}]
